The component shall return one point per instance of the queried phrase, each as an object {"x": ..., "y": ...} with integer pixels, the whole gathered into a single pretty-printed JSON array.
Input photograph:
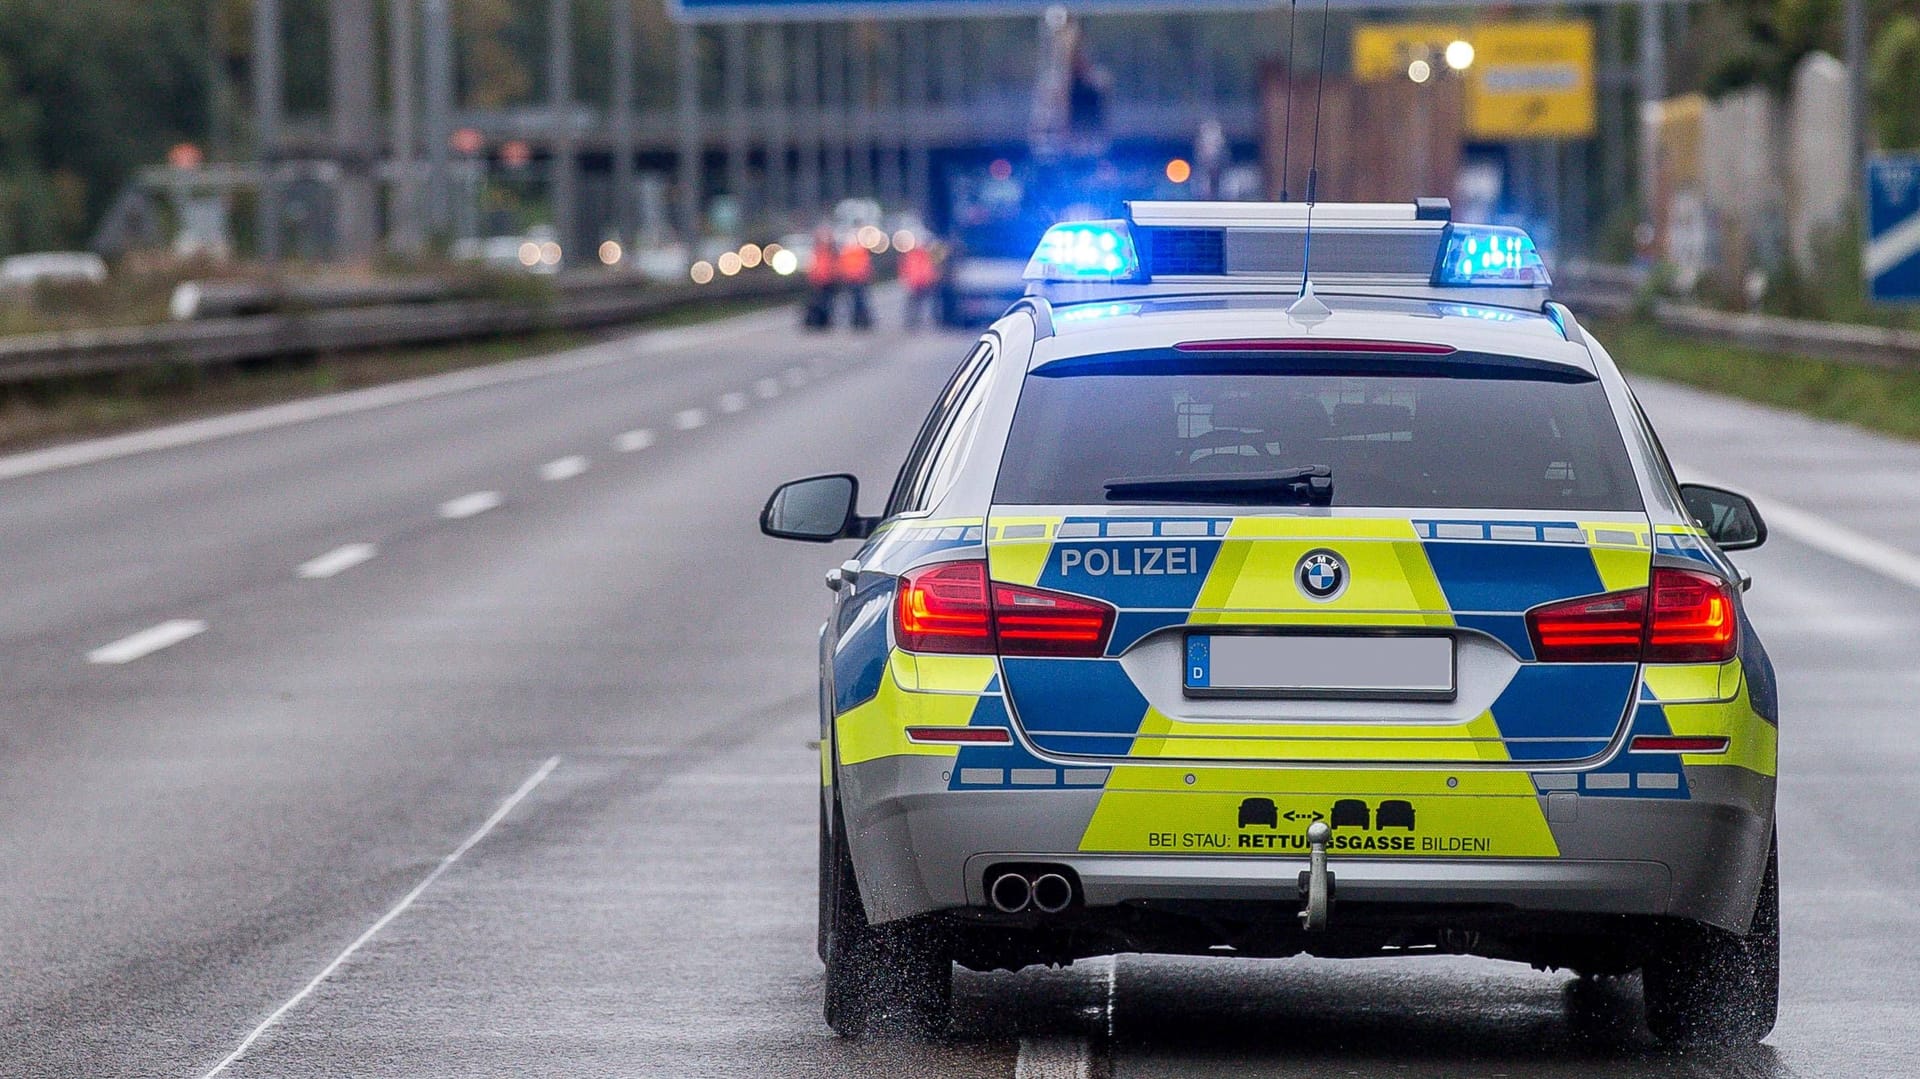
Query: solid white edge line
[
  {"x": 690, "y": 418},
  {"x": 564, "y": 468},
  {"x": 1809, "y": 528},
  {"x": 194, "y": 432},
  {"x": 455, "y": 509},
  {"x": 633, "y": 441},
  {"x": 1054, "y": 1057},
  {"x": 336, "y": 561},
  {"x": 148, "y": 641},
  {"x": 539, "y": 776}
]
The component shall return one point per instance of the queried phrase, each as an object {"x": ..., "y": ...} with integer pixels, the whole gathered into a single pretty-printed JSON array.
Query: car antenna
[
  {"x": 1286, "y": 136},
  {"x": 1308, "y": 308}
]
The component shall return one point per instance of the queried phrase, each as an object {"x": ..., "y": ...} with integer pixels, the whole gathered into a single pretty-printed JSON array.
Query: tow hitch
[{"x": 1316, "y": 883}]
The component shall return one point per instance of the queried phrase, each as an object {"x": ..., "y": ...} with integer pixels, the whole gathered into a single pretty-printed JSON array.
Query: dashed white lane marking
[
  {"x": 796, "y": 377},
  {"x": 564, "y": 468},
  {"x": 690, "y": 419},
  {"x": 339, "y": 560},
  {"x": 732, "y": 402},
  {"x": 767, "y": 388},
  {"x": 633, "y": 441},
  {"x": 1821, "y": 534},
  {"x": 147, "y": 641},
  {"x": 1054, "y": 1058},
  {"x": 539, "y": 776},
  {"x": 469, "y": 505}
]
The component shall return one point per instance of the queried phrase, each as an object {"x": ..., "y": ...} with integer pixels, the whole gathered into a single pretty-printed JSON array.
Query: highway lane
[{"x": 187, "y": 839}]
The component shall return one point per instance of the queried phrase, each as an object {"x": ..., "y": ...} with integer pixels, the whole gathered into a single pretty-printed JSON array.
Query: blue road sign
[
  {"x": 778, "y": 10},
  {"x": 1893, "y": 228}
]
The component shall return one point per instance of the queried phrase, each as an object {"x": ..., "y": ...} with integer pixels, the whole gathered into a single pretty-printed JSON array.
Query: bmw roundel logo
[{"x": 1321, "y": 574}]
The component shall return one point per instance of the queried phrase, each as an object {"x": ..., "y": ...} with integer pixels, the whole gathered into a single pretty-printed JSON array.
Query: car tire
[
  {"x": 898, "y": 976},
  {"x": 1718, "y": 988},
  {"x": 825, "y": 889}
]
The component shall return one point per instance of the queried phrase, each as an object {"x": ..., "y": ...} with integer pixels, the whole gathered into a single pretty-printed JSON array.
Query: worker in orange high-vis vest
[
  {"x": 823, "y": 274},
  {"x": 855, "y": 274},
  {"x": 920, "y": 273}
]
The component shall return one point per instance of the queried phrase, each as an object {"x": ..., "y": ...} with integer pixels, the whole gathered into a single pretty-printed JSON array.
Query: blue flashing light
[
  {"x": 1085, "y": 251},
  {"x": 1497, "y": 256}
]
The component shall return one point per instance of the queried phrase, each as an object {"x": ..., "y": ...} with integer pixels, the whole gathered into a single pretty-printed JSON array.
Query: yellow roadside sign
[
  {"x": 1531, "y": 80},
  {"x": 1526, "y": 79},
  {"x": 1382, "y": 50}
]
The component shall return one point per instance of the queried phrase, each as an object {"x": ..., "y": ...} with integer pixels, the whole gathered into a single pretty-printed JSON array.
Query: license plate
[{"x": 1366, "y": 666}]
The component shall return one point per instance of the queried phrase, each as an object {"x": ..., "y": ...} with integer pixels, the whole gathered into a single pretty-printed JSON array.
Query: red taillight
[
  {"x": 1691, "y": 621},
  {"x": 1594, "y": 629},
  {"x": 951, "y": 607},
  {"x": 1678, "y": 743},
  {"x": 972, "y": 736},
  {"x": 1031, "y": 622},
  {"x": 944, "y": 608}
]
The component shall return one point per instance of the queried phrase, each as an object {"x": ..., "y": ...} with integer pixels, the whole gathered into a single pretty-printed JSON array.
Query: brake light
[
  {"x": 1690, "y": 620},
  {"x": 944, "y": 608},
  {"x": 1320, "y": 344},
  {"x": 1593, "y": 629},
  {"x": 1693, "y": 619},
  {"x": 952, "y": 607}
]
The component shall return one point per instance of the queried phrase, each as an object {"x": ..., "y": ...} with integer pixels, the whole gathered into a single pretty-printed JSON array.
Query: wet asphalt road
[{"x": 189, "y": 838}]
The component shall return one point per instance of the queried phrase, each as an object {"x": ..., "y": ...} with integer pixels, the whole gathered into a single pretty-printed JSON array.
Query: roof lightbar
[
  {"x": 1403, "y": 248},
  {"x": 1428, "y": 213}
]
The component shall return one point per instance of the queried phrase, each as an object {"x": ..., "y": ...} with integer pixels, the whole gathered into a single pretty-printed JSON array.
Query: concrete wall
[
  {"x": 1820, "y": 153},
  {"x": 1748, "y": 182}
]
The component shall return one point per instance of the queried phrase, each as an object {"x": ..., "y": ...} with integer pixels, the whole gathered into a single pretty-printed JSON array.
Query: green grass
[
  {"x": 55, "y": 410},
  {"x": 1880, "y": 399}
]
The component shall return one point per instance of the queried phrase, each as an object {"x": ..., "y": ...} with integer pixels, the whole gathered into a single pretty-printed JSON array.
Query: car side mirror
[
  {"x": 1729, "y": 518},
  {"x": 819, "y": 509}
]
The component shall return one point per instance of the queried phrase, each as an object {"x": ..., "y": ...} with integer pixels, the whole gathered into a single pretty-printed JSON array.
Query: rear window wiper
[{"x": 1310, "y": 485}]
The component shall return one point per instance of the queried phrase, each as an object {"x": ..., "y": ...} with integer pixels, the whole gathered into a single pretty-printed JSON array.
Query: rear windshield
[{"x": 1506, "y": 441}]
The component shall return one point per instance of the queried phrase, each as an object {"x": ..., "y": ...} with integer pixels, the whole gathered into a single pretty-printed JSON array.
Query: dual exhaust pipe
[{"x": 1013, "y": 891}]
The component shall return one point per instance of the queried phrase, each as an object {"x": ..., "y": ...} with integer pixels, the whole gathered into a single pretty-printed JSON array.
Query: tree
[
  {"x": 1895, "y": 82},
  {"x": 89, "y": 90}
]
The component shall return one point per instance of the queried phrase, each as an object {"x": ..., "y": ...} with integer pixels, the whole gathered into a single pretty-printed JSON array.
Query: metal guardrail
[
  {"x": 1615, "y": 291},
  {"x": 589, "y": 302}
]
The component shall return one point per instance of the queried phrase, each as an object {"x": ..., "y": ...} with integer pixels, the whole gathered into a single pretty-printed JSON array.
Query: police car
[{"x": 1227, "y": 606}]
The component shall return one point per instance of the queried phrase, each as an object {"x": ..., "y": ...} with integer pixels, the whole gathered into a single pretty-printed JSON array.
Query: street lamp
[{"x": 1459, "y": 55}]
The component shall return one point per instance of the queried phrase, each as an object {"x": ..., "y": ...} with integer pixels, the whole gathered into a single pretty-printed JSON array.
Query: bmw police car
[{"x": 1218, "y": 611}]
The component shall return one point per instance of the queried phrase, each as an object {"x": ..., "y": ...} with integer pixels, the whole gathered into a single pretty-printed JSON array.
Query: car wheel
[
  {"x": 1717, "y": 988},
  {"x": 895, "y": 976}
]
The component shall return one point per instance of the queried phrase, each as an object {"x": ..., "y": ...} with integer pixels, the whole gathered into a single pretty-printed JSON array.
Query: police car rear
[{"x": 1208, "y": 617}]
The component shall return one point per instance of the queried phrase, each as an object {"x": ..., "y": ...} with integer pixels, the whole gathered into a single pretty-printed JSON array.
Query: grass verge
[
  {"x": 1880, "y": 399},
  {"x": 54, "y": 410}
]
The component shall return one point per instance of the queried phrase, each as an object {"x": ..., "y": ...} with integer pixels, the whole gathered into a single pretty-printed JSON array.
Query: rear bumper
[
  {"x": 919, "y": 847},
  {"x": 1558, "y": 885}
]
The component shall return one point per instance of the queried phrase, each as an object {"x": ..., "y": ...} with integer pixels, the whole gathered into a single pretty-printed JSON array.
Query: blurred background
[{"x": 1722, "y": 141}]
